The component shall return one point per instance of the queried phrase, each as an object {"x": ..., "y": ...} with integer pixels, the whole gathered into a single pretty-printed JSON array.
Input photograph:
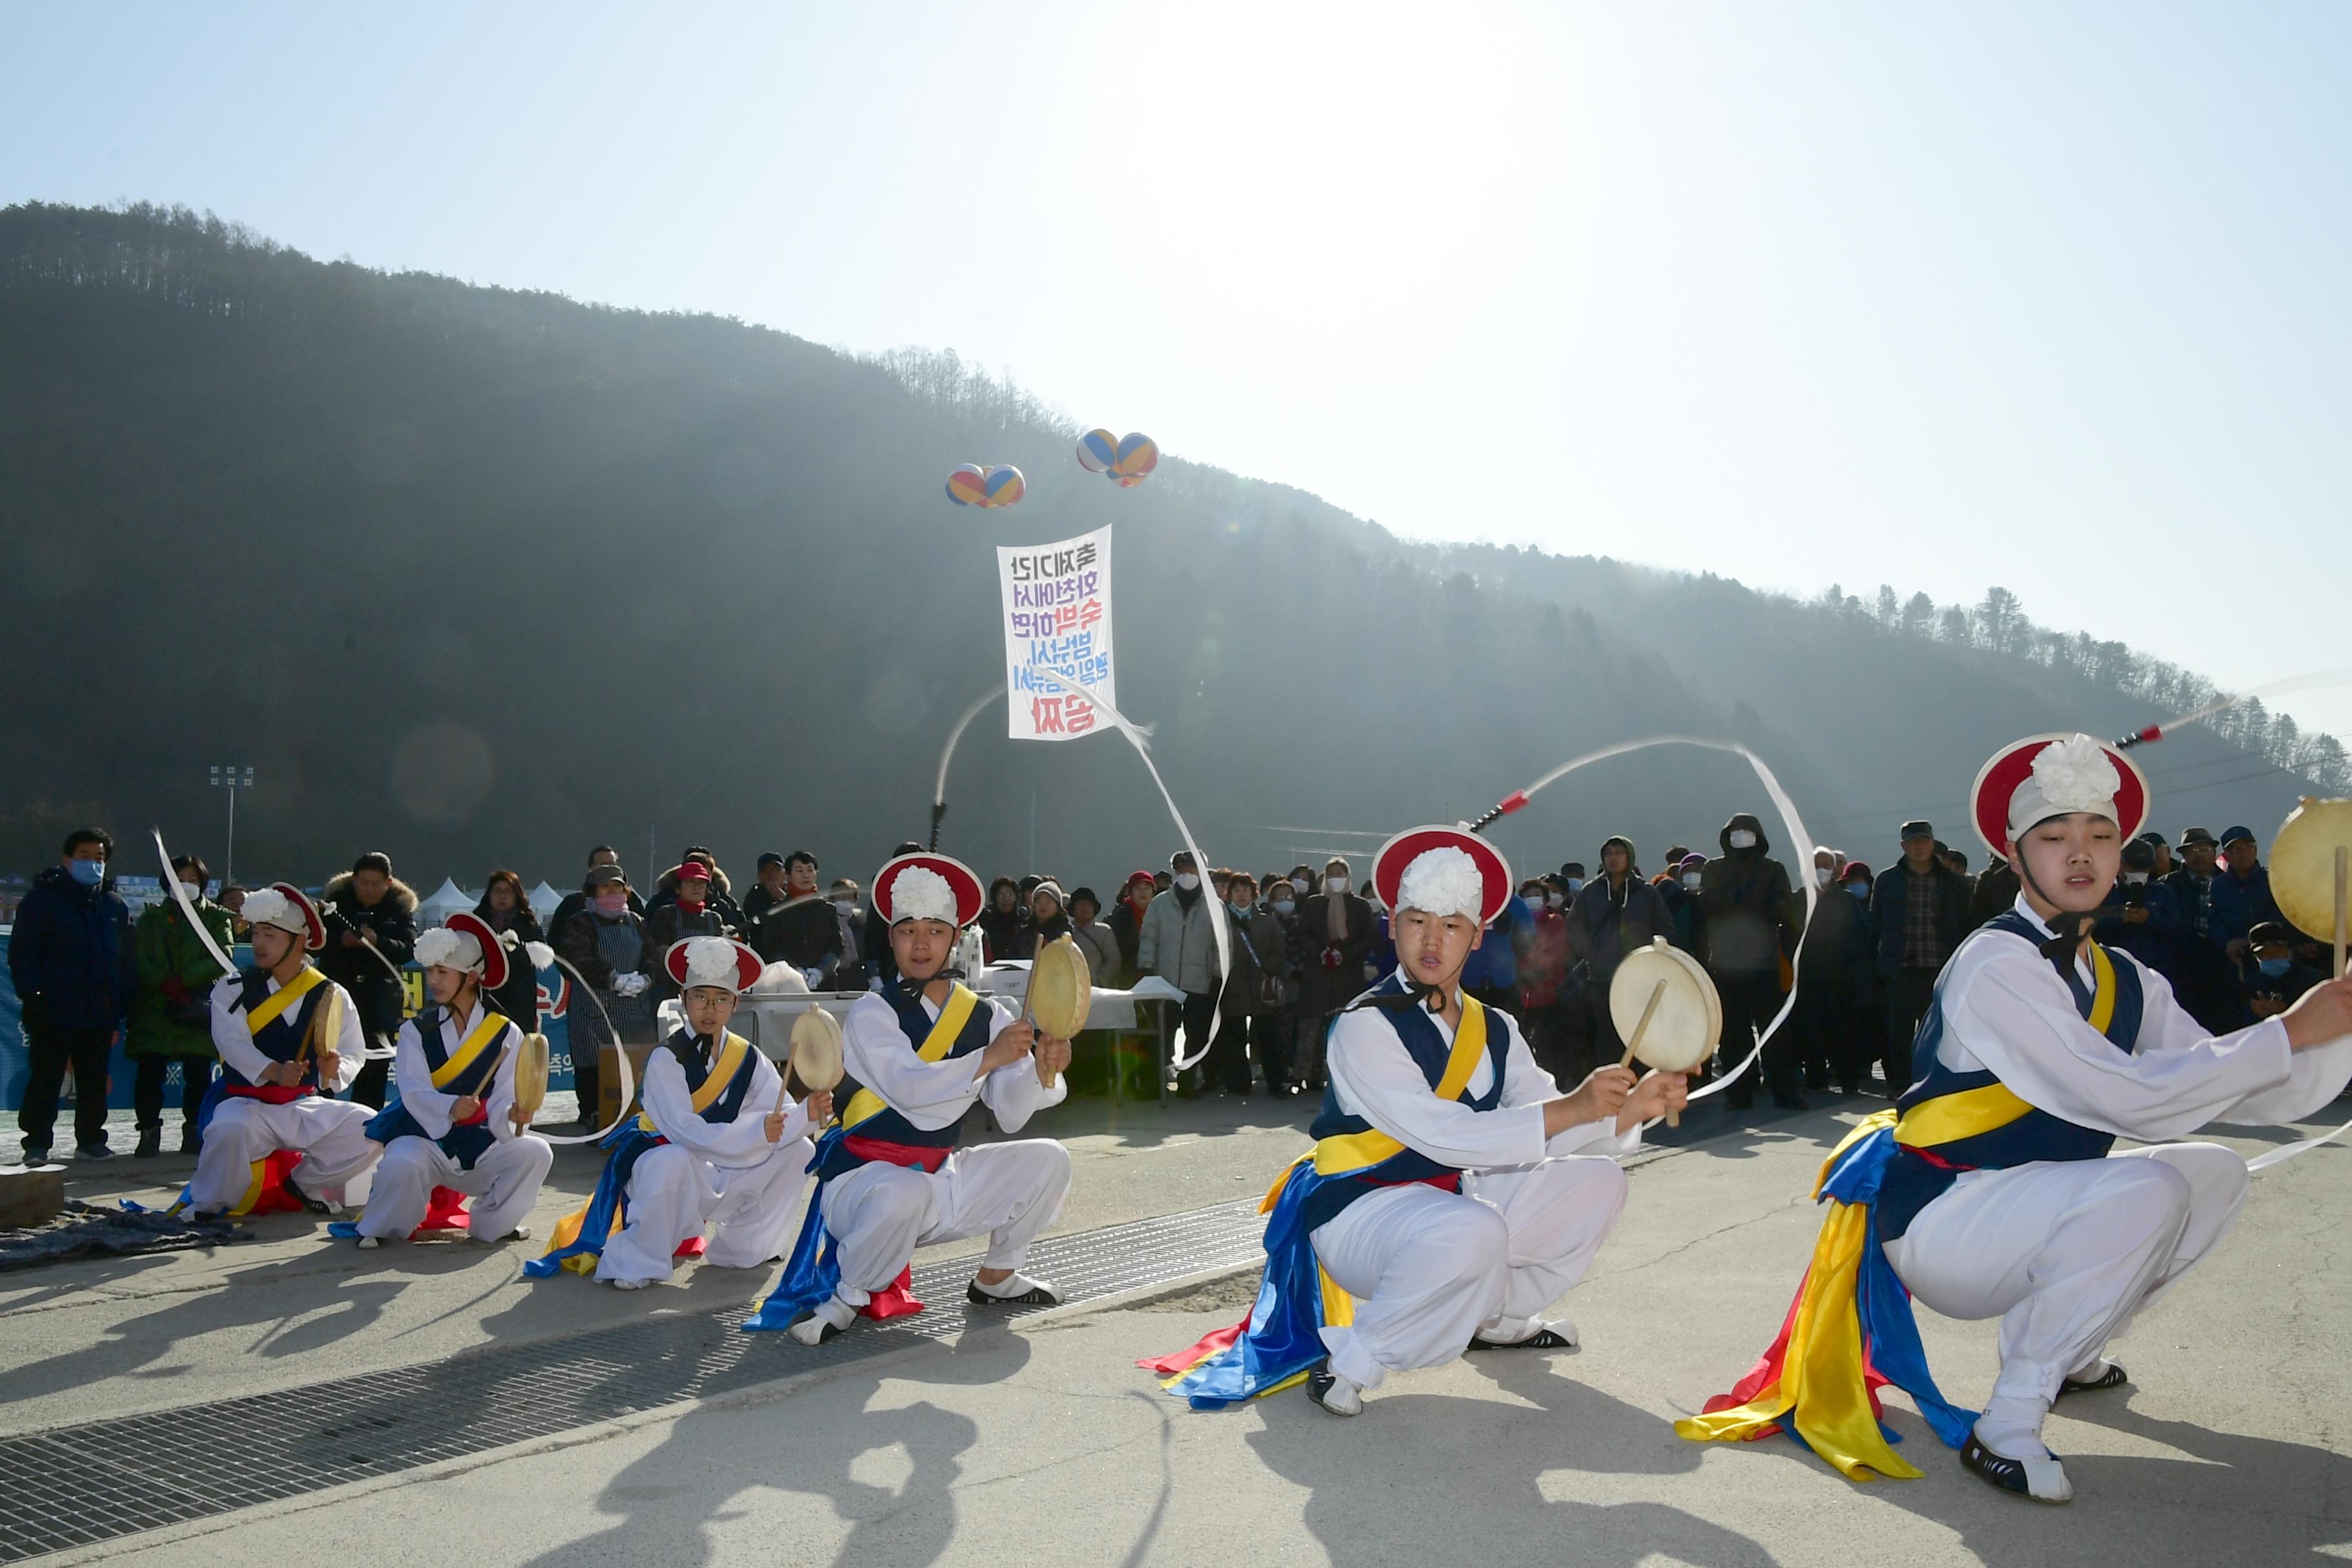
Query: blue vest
[
  {"x": 463, "y": 1144},
  {"x": 730, "y": 1103},
  {"x": 282, "y": 1037},
  {"x": 1430, "y": 1051},
  {"x": 1914, "y": 1180},
  {"x": 888, "y": 1126}
]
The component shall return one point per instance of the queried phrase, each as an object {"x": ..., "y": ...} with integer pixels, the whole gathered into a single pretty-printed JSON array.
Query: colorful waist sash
[{"x": 812, "y": 1273}]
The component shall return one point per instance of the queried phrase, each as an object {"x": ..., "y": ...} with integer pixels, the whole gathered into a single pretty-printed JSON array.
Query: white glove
[
  {"x": 811, "y": 976},
  {"x": 629, "y": 984}
]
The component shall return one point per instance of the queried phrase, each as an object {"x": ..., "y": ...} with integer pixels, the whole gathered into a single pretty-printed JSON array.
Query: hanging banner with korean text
[{"x": 1056, "y": 617}]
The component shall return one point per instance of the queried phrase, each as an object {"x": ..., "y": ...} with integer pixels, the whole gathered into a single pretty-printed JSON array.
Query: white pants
[
  {"x": 503, "y": 1184},
  {"x": 2064, "y": 1252},
  {"x": 329, "y": 1135},
  {"x": 673, "y": 1194},
  {"x": 878, "y": 1214},
  {"x": 1429, "y": 1268}
]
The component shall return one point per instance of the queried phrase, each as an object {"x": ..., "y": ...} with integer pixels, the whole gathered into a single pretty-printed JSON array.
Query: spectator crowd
[{"x": 1302, "y": 944}]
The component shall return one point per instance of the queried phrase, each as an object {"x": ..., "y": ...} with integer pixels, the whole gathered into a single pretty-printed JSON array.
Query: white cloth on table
[
  {"x": 880, "y": 1214},
  {"x": 1429, "y": 1268},
  {"x": 504, "y": 1184}
]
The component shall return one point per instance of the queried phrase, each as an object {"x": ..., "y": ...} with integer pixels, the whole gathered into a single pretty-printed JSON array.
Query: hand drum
[
  {"x": 817, "y": 1049},
  {"x": 2308, "y": 869},
  {"x": 530, "y": 1076},
  {"x": 1686, "y": 1019},
  {"x": 1061, "y": 989}
]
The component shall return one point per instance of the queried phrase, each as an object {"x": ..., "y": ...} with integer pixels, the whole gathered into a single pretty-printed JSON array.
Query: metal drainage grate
[{"x": 74, "y": 1486}]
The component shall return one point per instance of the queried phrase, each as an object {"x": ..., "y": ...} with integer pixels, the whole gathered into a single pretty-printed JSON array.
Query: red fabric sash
[
  {"x": 897, "y": 1299},
  {"x": 1451, "y": 1182},
  {"x": 271, "y": 1093}
]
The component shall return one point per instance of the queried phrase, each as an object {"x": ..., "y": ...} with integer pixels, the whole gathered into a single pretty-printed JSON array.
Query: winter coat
[
  {"x": 721, "y": 896},
  {"x": 665, "y": 928},
  {"x": 572, "y": 902},
  {"x": 1546, "y": 965},
  {"x": 1100, "y": 944},
  {"x": 1605, "y": 925},
  {"x": 1033, "y": 936},
  {"x": 70, "y": 954},
  {"x": 1838, "y": 950},
  {"x": 2254, "y": 895},
  {"x": 519, "y": 998},
  {"x": 804, "y": 932},
  {"x": 1002, "y": 930},
  {"x": 171, "y": 1012},
  {"x": 1993, "y": 893},
  {"x": 1178, "y": 944},
  {"x": 2226, "y": 921},
  {"x": 1745, "y": 898},
  {"x": 1127, "y": 930},
  {"x": 1261, "y": 950},
  {"x": 1326, "y": 984},
  {"x": 2156, "y": 941},
  {"x": 379, "y": 995},
  {"x": 1889, "y": 898},
  {"x": 1494, "y": 963}
]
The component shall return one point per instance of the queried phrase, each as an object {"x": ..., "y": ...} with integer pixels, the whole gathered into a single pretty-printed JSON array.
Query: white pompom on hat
[
  {"x": 288, "y": 909},
  {"x": 712, "y": 960},
  {"x": 2043, "y": 776},
  {"x": 466, "y": 941},
  {"x": 924, "y": 887},
  {"x": 1442, "y": 871}
]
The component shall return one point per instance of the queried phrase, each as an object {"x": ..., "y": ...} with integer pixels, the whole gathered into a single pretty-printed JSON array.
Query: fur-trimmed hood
[
  {"x": 667, "y": 883},
  {"x": 399, "y": 898}
]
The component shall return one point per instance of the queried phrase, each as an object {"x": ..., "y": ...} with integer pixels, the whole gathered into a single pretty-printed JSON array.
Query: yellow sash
[
  {"x": 723, "y": 1068},
  {"x": 469, "y": 1049},
  {"x": 865, "y": 1105},
  {"x": 1360, "y": 1150},
  {"x": 293, "y": 991},
  {"x": 1822, "y": 1380}
]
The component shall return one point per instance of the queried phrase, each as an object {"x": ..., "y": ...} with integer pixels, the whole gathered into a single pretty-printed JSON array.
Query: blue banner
[{"x": 555, "y": 990}]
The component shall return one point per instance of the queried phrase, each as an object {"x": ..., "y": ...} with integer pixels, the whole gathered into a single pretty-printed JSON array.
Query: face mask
[
  {"x": 1575, "y": 886},
  {"x": 847, "y": 906},
  {"x": 1742, "y": 839},
  {"x": 1690, "y": 880},
  {"x": 1186, "y": 881},
  {"x": 1553, "y": 900},
  {"x": 1859, "y": 889},
  {"x": 88, "y": 873},
  {"x": 2135, "y": 879},
  {"x": 1822, "y": 875},
  {"x": 2274, "y": 968},
  {"x": 195, "y": 892},
  {"x": 1284, "y": 906},
  {"x": 1334, "y": 884},
  {"x": 611, "y": 903}
]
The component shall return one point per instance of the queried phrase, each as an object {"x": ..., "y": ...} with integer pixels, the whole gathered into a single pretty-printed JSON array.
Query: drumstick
[
  {"x": 1657, "y": 993},
  {"x": 2342, "y": 896}
]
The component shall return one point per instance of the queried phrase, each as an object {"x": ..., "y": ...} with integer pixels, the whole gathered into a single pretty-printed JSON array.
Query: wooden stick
[
  {"x": 1657, "y": 994},
  {"x": 2343, "y": 898}
]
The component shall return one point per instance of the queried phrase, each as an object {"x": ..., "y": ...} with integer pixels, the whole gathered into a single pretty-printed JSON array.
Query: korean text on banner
[{"x": 1056, "y": 617}]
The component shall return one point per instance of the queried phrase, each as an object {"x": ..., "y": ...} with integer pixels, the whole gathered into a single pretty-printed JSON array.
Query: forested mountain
[{"x": 481, "y": 577}]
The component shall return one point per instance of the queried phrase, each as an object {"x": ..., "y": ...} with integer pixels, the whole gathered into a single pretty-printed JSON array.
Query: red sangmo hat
[
  {"x": 1997, "y": 783},
  {"x": 748, "y": 964},
  {"x": 1397, "y": 855},
  {"x": 317, "y": 937},
  {"x": 495, "y": 969}
]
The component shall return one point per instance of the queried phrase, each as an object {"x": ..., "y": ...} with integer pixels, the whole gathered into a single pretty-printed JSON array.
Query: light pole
[{"x": 233, "y": 778}]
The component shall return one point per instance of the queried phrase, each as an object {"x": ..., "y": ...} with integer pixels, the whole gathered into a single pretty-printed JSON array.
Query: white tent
[
  {"x": 446, "y": 899},
  {"x": 543, "y": 900}
]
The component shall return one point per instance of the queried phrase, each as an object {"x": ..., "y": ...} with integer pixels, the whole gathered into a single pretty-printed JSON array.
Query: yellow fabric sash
[
  {"x": 1821, "y": 1378},
  {"x": 723, "y": 1068},
  {"x": 1360, "y": 1151},
  {"x": 293, "y": 991},
  {"x": 865, "y": 1105},
  {"x": 469, "y": 1051}
]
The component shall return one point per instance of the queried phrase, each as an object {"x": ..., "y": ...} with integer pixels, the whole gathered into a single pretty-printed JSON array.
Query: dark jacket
[
  {"x": 2254, "y": 897},
  {"x": 668, "y": 925},
  {"x": 1745, "y": 896},
  {"x": 519, "y": 998},
  {"x": 1127, "y": 930},
  {"x": 2155, "y": 942},
  {"x": 1606, "y": 924},
  {"x": 1329, "y": 983},
  {"x": 721, "y": 896},
  {"x": 1994, "y": 892},
  {"x": 1002, "y": 929},
  {"x": 1261, "y": 953},
  {"x": 377, "y": 994},
  {"x": 804, "y": 932},
  {"x": 1837, "y": 951},
  {"x": 71, "y": 955},
  {"x": 572, "y": 902},
  {"x": 1890, "y": 897},
  {"x": 2227, "y": 921}
]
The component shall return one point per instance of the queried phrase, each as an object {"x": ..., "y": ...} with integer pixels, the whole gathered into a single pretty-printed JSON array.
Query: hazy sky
[{"x": 2048, "y": 296}]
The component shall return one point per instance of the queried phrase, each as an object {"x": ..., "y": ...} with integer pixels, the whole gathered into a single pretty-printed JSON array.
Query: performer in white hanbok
[
  {"x": 1991, "y": 1190},
  {"x": 289, "y": 1040},
  {"x": 719, "y": 1143},
  {"x": 925, "y": 1051},
  {"x": 1454, "y": 1192},
  {"x": 455, "y": 1123}
]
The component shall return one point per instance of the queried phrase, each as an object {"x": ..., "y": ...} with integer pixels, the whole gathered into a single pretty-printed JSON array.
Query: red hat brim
[
  {"x": 317, "y": 936},
  {"x": 1999, "y": 779},
  {"x": 1398, "y": 853},
  {"x": 748, "y": 966},
  {"x": 968, "y": 896},
  {"x": 494, "y": 968}
]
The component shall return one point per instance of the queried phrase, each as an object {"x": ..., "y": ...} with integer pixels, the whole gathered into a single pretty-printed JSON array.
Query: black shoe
[
  {"x": 2012, "y": 1476},
  {"x": 316, "y": 1206},
  {"x": 192, "y": 1141},
  {"x": 35, "y": 1154},
  {"x": 1322, "y": 1387},
  {"x": 97, "y": 1151},
  {"x": 2114, "y": 1377},
  {"x": 151, "y": 1143}
]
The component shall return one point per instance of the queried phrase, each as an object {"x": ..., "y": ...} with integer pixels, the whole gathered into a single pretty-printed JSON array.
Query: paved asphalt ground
[{"x": 1041, "y": 1443}]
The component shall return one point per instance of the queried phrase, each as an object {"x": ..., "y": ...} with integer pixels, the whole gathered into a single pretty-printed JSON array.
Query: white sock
[
  {"x": 1014, "y": 1284},
  {"x": 830, "y": 1312},
  {"x": 2011, "y": 1426},
  {"x": 2090, "y": 1371}
]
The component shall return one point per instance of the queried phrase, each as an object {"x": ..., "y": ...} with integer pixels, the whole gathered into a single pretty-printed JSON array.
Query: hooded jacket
[
  {"x": 1745, "y": 896},
  {"x": 70, "y": 954}
]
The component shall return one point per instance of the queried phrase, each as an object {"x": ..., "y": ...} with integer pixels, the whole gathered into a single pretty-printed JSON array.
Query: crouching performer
[
  {"x": 718, "y": 1143},
  {"x": 289, "y": 1040},
  {"x": 455, "y": 1123},
  {"x": 1990, "y": 1190},
  {"x": 1454, "y": 1192},
  {"x": 890, "y": 1178}
]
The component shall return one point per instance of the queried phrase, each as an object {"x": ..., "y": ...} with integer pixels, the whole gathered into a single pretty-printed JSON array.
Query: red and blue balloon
[{"x": 1124, "y": 461}]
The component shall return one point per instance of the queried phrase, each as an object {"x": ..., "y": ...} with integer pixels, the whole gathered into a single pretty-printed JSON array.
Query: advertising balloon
[
  {"x": 1097, "y": 451},
  {"x": 1005, "y": 486},
  {"x": 968, "y": 486}
]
